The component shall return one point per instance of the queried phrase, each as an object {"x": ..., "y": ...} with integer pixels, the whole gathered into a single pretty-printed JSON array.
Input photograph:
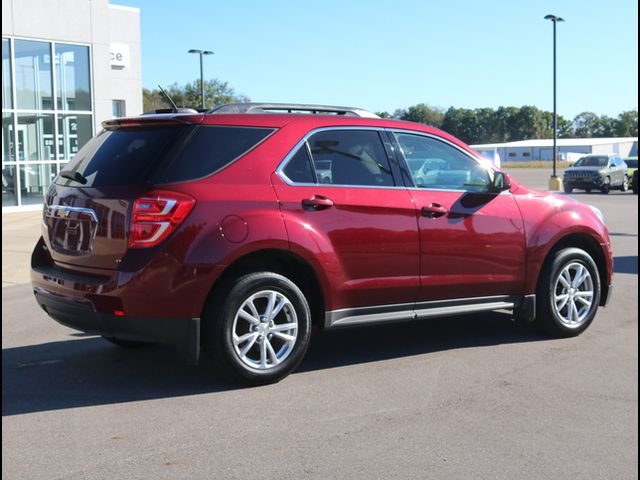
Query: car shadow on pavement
[
  {"x": 87, "y": 371},
  {"x": 627, "y": 264}
]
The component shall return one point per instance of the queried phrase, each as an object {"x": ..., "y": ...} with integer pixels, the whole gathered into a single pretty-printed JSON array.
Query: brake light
[{"x": 156, "y": 215}]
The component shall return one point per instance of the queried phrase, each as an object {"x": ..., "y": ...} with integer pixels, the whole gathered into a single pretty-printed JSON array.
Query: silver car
[{"x": 597, "y": 172}]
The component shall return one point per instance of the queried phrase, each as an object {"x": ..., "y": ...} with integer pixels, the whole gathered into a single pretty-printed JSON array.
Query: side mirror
[{"x": 500, "y": 182}]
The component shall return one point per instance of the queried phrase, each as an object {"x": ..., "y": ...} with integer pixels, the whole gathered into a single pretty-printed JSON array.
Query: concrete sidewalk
[{"x": 20, "y": 232}]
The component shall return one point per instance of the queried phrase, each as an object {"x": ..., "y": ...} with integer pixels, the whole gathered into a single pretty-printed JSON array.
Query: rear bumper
[{"x": 80, "y": 314}]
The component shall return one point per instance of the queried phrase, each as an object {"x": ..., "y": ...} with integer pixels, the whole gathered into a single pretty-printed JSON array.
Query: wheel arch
[
  {"x": 283, "y": 262},
  {"x": 589, "y": 244}
]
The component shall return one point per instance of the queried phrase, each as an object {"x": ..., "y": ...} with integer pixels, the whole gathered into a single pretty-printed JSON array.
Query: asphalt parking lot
[{"x": 463, "y": 397}]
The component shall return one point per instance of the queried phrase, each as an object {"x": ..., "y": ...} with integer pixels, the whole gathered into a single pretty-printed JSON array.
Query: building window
[
  {"x": 526, "y": 154},
  {"x": 33, "y": 75},
  {"x": 35, "y": 137},
  {"x": 9, "y": 197},
  {"x": 512, "y": 154},
  {"x": 119, "y": 108},
  {"x": 7, "y": 98},
  {"x": 72, "y": 77},
  {"x": 73, "y": 132},
  {"x": 35, "y": 180},
  {"x": 47, "y": 114}
]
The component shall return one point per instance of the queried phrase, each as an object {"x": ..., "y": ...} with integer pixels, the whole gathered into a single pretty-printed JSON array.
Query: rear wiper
[{"x": 75, "y": 176}]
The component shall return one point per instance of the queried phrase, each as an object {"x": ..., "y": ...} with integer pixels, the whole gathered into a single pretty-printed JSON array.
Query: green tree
[
  {"x": 502, "y": 123},
  {"x": 216, "y": 92},
  {"x": 565, "y": 127},
  {"x": 586, "y": 125},
  {"x": 485, "y": 125},
  {"x": 460, "y": 122},
  {"x": 606, "y": 126},
  {"x": 627, "y": 124},
  {"x": 423, "y": 113},
  {"x": 528, "y": 122}
]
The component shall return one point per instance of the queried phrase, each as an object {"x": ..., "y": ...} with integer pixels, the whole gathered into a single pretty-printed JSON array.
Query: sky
[{"x": 385, "y": 55}]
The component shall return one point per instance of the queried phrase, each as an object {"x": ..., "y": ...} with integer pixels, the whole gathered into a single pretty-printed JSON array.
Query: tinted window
[
  {"x": 438, "y": 165},
  {"x": 350, "y": 157},
  {"x": 160, "y": 155},
  {"x": 298, "y": 169},
  {"x": 631, "y": 163}
]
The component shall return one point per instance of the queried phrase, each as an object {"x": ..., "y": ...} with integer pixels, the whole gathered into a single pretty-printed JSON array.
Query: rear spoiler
[{"x": 151, "y": 121}]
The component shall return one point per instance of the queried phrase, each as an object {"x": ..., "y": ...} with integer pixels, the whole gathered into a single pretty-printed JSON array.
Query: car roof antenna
[{"x": 173, "y": 104}]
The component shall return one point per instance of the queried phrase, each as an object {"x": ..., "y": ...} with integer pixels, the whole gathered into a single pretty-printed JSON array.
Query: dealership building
[{"x": 67, "y": 65}]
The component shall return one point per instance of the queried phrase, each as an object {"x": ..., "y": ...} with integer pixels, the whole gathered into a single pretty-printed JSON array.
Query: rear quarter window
[{"x": 161, "y": 155}]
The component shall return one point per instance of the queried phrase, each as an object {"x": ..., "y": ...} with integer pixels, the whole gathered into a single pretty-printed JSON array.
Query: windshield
[{"x": 592, "y": 162}]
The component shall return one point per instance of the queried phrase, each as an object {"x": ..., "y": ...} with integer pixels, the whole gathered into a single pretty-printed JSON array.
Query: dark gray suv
[{"x": 597, "y": 172}]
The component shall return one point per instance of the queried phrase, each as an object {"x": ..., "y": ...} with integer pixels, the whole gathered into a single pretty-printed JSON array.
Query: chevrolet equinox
[{"x": 236, "y": 230}]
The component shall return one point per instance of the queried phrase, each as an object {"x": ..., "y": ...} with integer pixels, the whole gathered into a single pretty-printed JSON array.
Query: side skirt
[{"x": 413, "y": 311}]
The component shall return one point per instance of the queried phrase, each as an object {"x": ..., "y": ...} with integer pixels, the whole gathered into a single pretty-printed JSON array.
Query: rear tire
[
  {"x": 568, "y": 293},
  {"x": 257, "y": 330},
  {"x": 588, "y": 190},
  {"x": 128, "y": 343}
]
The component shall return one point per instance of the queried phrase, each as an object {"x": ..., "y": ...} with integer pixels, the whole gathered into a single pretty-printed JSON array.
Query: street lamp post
[
  {"x": 201, "y": 53},
  {"x": 554, "y": 182}
]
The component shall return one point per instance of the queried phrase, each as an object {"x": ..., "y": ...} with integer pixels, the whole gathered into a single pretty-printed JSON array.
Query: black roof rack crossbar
[{"x": 255, "y": 107}]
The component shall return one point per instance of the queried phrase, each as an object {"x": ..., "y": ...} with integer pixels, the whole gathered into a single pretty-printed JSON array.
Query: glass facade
[{"x": 47, "y": 114}]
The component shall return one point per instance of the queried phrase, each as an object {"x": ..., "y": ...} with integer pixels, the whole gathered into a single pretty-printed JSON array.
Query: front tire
[
  {"x": 568, "y": 189},
  {"x": 606, "y": 186},
  {"x": 625, "y": 184},
  {"x": 568, "y": 293},
  {"x": 259, "y": 330}
]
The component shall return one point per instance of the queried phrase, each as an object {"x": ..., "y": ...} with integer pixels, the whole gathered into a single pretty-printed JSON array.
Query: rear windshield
[
  {"x": 592, "y": 162},
  {"x": 158, "y": 155}
]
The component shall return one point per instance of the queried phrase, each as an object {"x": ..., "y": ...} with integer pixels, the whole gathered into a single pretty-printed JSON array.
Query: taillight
[{"x": 155, "y": 215}]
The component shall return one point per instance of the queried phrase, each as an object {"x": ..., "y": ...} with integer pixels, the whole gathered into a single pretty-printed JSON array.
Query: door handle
[
  {"x": 317, "y": 202},
  {"x": 434, "y": 210}
]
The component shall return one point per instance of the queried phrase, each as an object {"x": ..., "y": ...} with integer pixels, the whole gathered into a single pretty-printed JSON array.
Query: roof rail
[
  {"x": 171, "y": 110},
  {"x": 255, "y": 107}
]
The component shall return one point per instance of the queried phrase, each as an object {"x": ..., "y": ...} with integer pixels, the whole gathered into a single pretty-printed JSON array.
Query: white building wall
[
  {"x": 7, "y": 16},
  {"x": 519, "y": 154},
  {"x": 93, "y": 22},
  {"x": 126, "y": 81}
]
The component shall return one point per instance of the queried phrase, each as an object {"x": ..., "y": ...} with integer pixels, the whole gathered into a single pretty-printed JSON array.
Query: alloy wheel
[
  {"x": 265, "y": 330},
  {"x": 573, "y": 294}
]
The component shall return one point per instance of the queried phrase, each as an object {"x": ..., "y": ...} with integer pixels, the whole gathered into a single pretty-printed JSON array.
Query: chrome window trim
[
  {"x": 477, "y": 160},
  {"x": 283, "y": 164}
]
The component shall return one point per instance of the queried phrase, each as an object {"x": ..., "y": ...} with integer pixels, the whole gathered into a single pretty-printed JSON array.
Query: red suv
[{"x": 239, "y": 229}]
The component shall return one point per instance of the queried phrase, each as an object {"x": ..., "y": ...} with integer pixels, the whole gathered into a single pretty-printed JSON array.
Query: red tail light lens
[{"x": 156, "y": 215}]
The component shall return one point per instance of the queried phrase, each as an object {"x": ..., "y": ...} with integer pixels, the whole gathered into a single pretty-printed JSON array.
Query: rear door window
[
  {"x": 299, "y": 169},
  {"x": 160, "y": 155},
  {"x": 350, "y": 157}
]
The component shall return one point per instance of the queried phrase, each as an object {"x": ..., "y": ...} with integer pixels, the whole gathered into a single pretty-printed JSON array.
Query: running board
[{"x": 414, "y": 311}]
